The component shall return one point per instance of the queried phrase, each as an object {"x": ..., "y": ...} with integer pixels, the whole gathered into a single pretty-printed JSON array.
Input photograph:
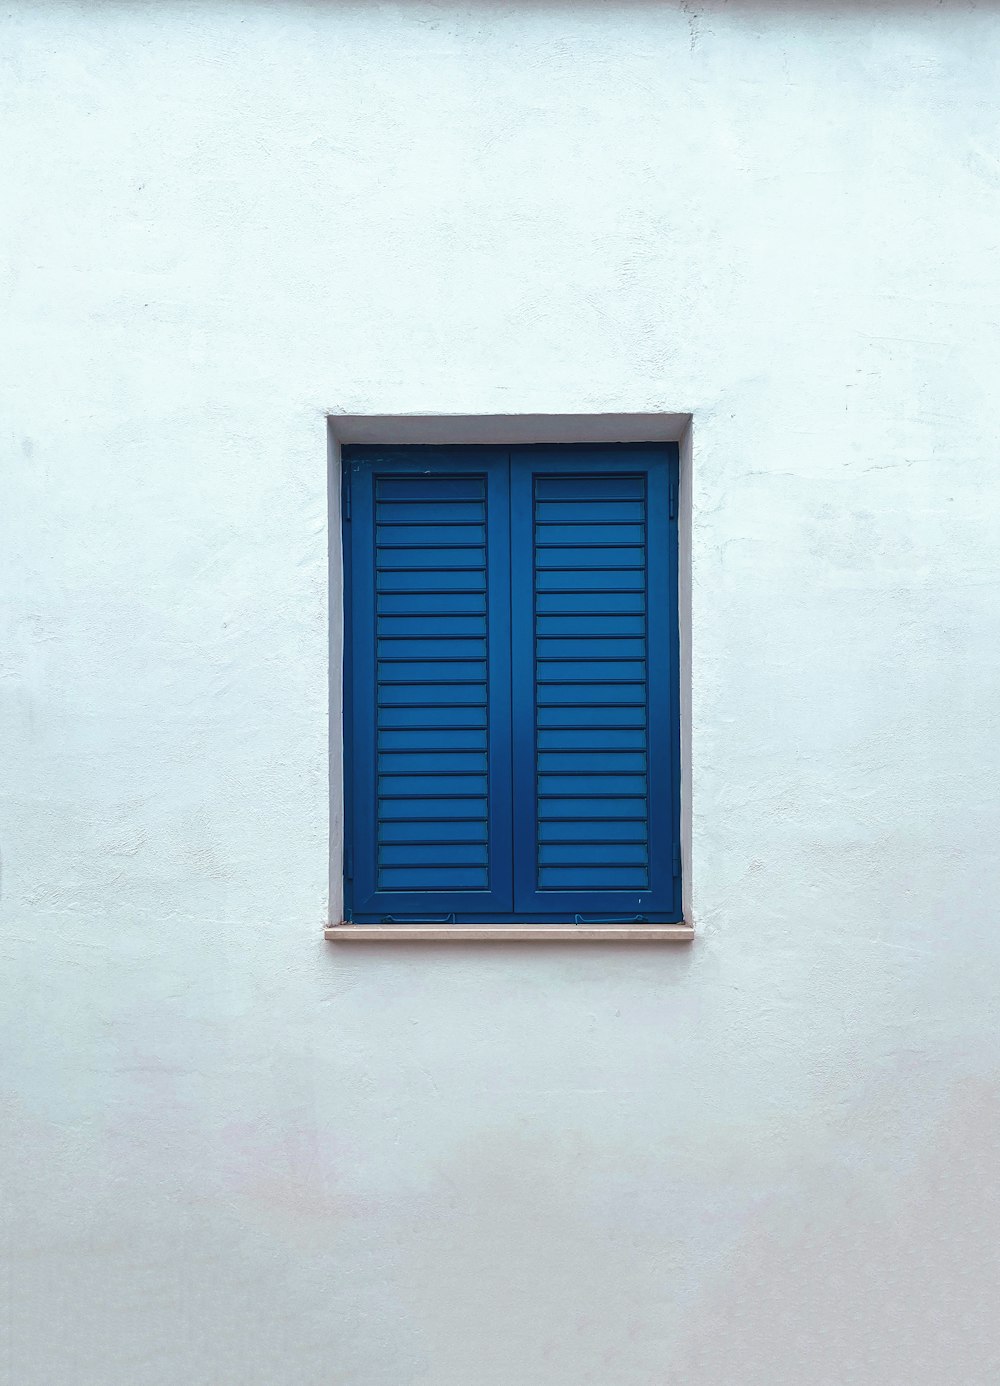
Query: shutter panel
[
  {"x": 511, "y": 689},
  {"x": 429, "y": 690},
  {"x": 594, "y": 712}
]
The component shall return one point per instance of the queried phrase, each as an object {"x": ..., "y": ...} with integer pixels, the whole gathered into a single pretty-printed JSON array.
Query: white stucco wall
[{"x": 233, "y": 1154}]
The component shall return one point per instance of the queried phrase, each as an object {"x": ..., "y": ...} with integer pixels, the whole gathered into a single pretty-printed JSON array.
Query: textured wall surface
[{"x": 233, "y": 1154}]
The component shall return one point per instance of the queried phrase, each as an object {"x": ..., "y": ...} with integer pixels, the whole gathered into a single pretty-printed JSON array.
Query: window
[{"x": 511, "y": 684}]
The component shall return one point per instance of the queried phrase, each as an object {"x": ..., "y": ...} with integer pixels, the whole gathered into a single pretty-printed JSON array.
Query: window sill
[{"x": 510, "y": 933}]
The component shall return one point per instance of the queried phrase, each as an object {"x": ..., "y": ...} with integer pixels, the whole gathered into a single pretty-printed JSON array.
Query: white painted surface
[
  {"x": 509, "y": 428},
  {"x": 236, "y": 1154}
]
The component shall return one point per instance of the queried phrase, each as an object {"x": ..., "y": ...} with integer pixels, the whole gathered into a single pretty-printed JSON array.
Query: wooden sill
[{"x": 510, "y": 933}]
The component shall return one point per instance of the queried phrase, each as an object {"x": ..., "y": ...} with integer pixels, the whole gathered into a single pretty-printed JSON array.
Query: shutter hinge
[
  {"x": 677, "y": 858},
  {"x": 349, "y": 861},
  {"x": 345, "y": 508},
  {"x": 673, "y": 500}
]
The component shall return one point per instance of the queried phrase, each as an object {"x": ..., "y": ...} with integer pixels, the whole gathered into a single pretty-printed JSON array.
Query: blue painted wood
[
  {"x": 429, "y": 800},
  {"x": 597, "y": 830},
  {"x": 570, "y": 695},
  {"x": 582, "y": 512},
  {"x": 423, "y": 808},
  {"x": 568, "y": 484},
  {"x": 600, "y": 533},
  {"x": 587, "y": 854},
  {"x": 415, "y": 535},
  {"x": 584, "y": 879},
  {"x": 430, "y": 879},
  {"x": 593, "y": 617},
  {"x": 600, "y": 761},
  {"x": 416, "y": 830},
  {"x": 448, "y": 853},
  {"x": 431, "y": 488},
  {"x": 566, "y": 581},
  {"x": 425, "y": 603},
  {"x": 413, "y": 672},
  {"x": 591, "y": 646},
  {"x": 438, "y": 556},
  {"x": 593, "y": 718},
  {"x": 590, "y": 603},
  {"x": 583, "y": 557},
  {"x": 593, "y": 809},
  {"x": 587, "y": 786},
  {"x": 430, "y": 694},
  {"x": 446, "y": 625},
  {"x": 589, "y": 625},
  {"x": 443, "y": 579},
  {"x": 424, "y": 718},
  {"x": 511, "y": 692},
  {"x": 447, "y": 758},
  {"x": 586, "y": 670},
  {"x": 392, "y": 738},
  {"x": 596, "y": 739},
  {"x": 433, "y": 512}
]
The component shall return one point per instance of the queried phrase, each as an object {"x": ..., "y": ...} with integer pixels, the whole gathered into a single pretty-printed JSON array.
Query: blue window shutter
[
  {"x": 511, "y": 689},
  {"x": 595, "y": 720},
  {"x": 427, "y": 702}
]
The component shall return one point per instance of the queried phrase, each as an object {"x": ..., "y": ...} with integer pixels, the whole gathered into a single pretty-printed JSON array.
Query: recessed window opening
[{"x": 511, "y": 684}]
